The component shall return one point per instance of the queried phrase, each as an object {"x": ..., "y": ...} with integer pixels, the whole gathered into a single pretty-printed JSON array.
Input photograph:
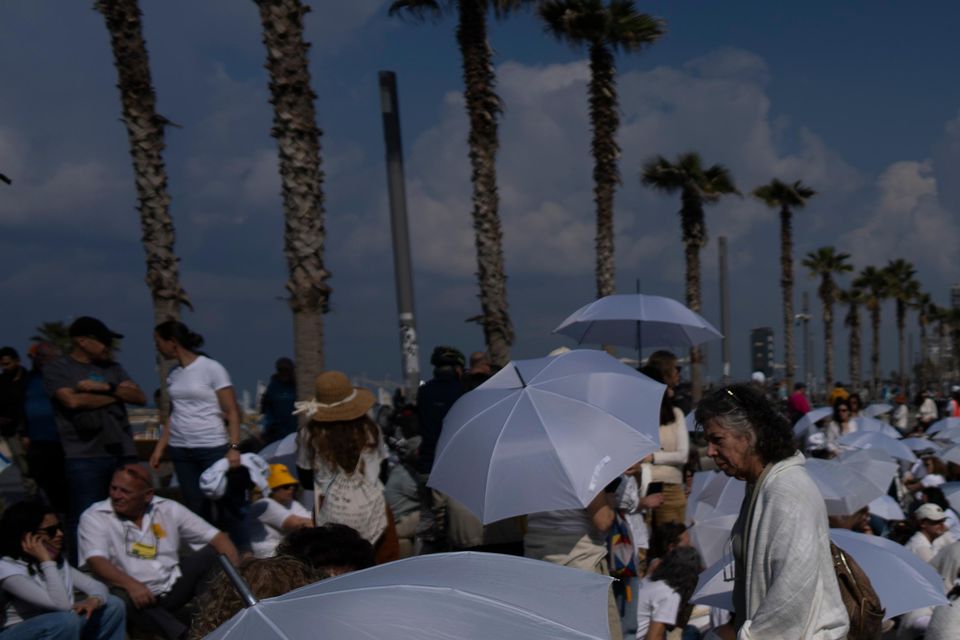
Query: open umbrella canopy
[
  {"x": 809, "y": 419},
  {"x": 874, "y": 464},
  {"x": 873, "y": 439},
  {"x": 710, "y": 537},
  {"x": 950, "y": 455},
  {"x": 948, "y": 434},
  {"x": 873, "y": 425},
  {"x": 546, "y": 434},
  {"x": 902, "y": 580},
  {"x": 637, "y": 320},
  {"x": 845, "y": 490},
  {"x": 887, "y": 508},
  {"x": 951, "y": 491},
  {"x": 922, "y": 445},
  {"x": 719, "y": 495},
  {"x": 940, "y": 425},
  {"x": 446, "y": 596},
  {"x": 877, "y": 409}
]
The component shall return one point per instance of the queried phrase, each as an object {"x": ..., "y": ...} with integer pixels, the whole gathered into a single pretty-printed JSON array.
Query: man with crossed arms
[{"x": 131, "y": 542}]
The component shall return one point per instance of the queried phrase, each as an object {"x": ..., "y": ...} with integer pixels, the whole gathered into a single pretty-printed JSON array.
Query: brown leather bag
[{"x": 861, "y": 601}]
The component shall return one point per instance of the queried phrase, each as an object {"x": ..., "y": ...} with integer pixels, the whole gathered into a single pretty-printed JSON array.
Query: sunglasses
[{"x": 51, "y": 530}]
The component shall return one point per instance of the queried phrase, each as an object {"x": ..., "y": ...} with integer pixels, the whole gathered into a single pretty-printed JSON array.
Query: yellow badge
[
  {"x": 158, "y": 530},
  {"x": 144, "y": 551}
]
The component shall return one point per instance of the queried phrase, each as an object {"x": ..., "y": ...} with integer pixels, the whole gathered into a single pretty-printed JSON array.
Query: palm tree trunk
[
  {"x": 145, "y": 132},
  {"x": 786, "y": 286},
  {"x": 924, "y": 361},
  {"x": 875, "y": 347},
  {"x": 694, "y": 237},
  {"x": 855, "y": 358},
  {"x": 827, "y": 298},
  {"x": 604, "y": 120},
  {"x": 483, "y": 109},
  {"x": 298, "y": 144},
  {"x": 901, "y": 326}
]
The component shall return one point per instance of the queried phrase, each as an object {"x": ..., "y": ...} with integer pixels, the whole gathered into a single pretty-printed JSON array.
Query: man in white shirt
[
  {"x": 932, "y": 535},
  {"x": 131, "y": 542}
]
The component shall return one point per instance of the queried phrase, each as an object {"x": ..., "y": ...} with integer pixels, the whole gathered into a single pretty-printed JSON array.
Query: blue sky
[{"x": 857, "y": 99}]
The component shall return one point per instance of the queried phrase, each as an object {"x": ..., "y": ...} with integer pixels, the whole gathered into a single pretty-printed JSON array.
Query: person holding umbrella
[
  {"x": 784, "y": 582},
  {"x": 667, "y": 463}
]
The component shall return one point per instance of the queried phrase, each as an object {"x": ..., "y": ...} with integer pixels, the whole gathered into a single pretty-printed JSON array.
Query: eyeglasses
[{"x": 51, "y": 530}]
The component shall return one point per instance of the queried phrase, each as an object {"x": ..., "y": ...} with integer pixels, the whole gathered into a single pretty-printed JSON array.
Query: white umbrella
[
  {"x": 920, "y": 445},
  {"x": 940, "y": 425},
  {"x": 636, "y": 320},
  {"x": 887, "y": 508},
  {"x": 691, "y": 421},
  {"x": 546, "y": 434},
  {"x": 710, "y": 537},
  {"x": 951, "y": 490},
  {"x": 445, "y": 596},
  {"x": 844, "y": 489},
  {"x": 950, "y": 455},
  {"x": 721, "y": 495},
  {"x": 876, "y": 409},
  {"x": 809, "y": 419},
  {"x": 866, "y": 424},
  {"x": 877, "y": 465},
  {"x": 902, "y": 580},
  {"x": 948, "y": 434},
  {"x": 871, "y": 440},
  {"x": 700, "y": 479}
]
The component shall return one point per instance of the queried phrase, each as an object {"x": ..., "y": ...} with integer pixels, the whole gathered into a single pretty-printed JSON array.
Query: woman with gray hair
[{"x": 784, "y": 582}]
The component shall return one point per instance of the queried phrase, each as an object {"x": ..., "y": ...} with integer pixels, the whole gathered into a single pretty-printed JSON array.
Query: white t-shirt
[
  {"x": 656, "y": 602},
  {"x": 265, "y": 524},
  {"x": 196, "y": 419},
  {"x": 148, "y": 553},
  {"x": 924, "y": 549}
]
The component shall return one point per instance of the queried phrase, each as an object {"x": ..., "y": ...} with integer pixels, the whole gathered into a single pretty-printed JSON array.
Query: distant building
[
  {"x": 761, "y": 350},
  {"x": 955, "y": 296}
]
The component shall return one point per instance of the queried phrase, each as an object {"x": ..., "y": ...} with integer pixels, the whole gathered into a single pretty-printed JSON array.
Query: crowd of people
[{"x": 104, "y": 547}]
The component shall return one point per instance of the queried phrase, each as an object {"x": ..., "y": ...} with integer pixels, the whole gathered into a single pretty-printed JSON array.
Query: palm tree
[
  {"x": 787, "y": 197},
  {"x": 825, "y": 262},
  {"x": 903, "y": 288},
  {"x": 483, "y": 110},
  {"x": 874, "y": 283},
  {"x": 56, "y": 333},
  {"x": 853, "y": 298},
  {"x": 298, "y": 143},
  {"x": 697, "y": 187},
  {"x": 145, "y": 132},
  {"x": 604, "y": 28}
]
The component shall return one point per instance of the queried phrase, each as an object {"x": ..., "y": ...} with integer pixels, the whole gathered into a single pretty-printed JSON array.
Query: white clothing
[
  {"x": 900, "y": 417},
  {"x": 213, "y": 481},
  {"x": 148, "y": 553},
  {"x": 324, "y": 473},
  {"x": 265, "y": 524},
  {"x": 656, "y": 602},
  {"x": 944, "y": 623},
  {"x": 196, "y": 419},
  {"x": 23, "y": 595},
  {"x": 668, "y": 463},
  {"x": 785, "y": 585},
  {"x": 924, "y": 549},
  {"x": 932, "y": 480},
  {"x": 928, "y": 410}
]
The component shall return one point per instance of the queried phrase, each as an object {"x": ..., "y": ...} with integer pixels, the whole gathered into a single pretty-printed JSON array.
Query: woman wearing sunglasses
[
  {"x": 784, "y": 585},
  {"x": 37, "y": 585}
]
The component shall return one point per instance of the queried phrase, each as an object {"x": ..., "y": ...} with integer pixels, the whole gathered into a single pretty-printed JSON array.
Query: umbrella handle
[{"x": 238, "y": 582}]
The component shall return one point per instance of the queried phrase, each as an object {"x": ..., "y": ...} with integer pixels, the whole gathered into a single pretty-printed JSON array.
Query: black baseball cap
[{"x": 93, "y": 328}]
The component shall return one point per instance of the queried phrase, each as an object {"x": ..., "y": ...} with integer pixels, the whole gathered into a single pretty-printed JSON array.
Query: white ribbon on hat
[{"x": 312, "y": 406}]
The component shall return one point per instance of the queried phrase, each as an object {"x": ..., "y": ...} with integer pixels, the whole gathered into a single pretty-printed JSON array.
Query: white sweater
[{"x": 788, "y": 588}]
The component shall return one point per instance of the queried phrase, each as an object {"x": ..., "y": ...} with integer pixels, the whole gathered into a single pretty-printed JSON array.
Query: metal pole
[
  {"x": 402, "y": 267},
  {"x": 724, "y": 308},
  {"x": 807, "y": 346},
  {"x": 238, "y": 582}
]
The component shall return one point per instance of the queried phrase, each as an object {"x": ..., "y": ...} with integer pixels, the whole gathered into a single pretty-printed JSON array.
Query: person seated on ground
[
  {"x": 932, "y": 532},
  {"x": 932, "y": 473},
  {"x": 935, "y": 496},
  {"x": 37, "y": 586},
  {"x": 266, "y": 577},
  {"x": 132, "y": 542},
  {"x": 329, "y": 550},
  {"x": 663, "y": 598},
  {"x": 279, "y": 513},
  {"x": 232, "y": 485}
]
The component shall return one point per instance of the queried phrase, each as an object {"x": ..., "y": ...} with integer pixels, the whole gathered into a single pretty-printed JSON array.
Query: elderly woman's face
[{"x": 732, "y": 451}]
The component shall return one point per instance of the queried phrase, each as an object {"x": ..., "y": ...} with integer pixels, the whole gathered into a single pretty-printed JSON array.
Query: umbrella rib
[
  {"x": 467, "y": 594},
  {"x": 512, "y": 396},
  {"x": 270, "y": 623}
]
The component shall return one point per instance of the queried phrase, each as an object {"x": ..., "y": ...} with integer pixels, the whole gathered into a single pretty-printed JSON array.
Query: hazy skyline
[{"x": 854, "y": 99}]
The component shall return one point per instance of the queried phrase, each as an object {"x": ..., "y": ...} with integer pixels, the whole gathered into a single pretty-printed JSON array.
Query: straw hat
[{"x": 336, "y": 399}]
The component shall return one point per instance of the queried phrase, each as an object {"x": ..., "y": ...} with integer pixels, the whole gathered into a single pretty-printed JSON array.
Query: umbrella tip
[{"x": 523, "y": 383}]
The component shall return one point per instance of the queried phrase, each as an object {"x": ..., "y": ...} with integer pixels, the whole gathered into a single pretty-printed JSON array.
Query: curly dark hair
[
  {"x": 18, "y": 520},
  {"x": 328, "y": 549},
  {"x": 267, "y": 577},
  {"x": 680, "y": 569},
  {"x": 341, "y": 443},
  {"x": 745, "y": 409}
]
